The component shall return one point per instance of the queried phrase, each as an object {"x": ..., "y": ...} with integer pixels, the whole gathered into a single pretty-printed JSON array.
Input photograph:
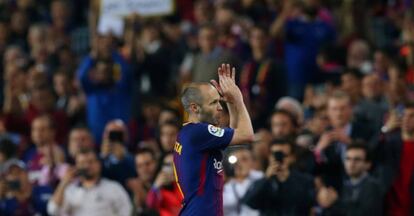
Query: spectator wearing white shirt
[
  {"x": 236, "y": 187},
  {"x": 90, "y": 195}
]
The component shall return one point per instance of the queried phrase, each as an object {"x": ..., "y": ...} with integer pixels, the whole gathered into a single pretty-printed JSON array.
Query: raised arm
[{"x": 239, "y": 117}]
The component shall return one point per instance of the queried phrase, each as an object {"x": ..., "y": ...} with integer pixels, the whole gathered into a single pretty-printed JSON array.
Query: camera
[
  {"x": 116, "y": 136},
  {"x": 13, "y": 185},
  {"x": 279, "y": 156}
]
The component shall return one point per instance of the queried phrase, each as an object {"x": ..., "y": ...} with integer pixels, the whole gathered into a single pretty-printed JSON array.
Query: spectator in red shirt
[{"x": 164, "y": 195}]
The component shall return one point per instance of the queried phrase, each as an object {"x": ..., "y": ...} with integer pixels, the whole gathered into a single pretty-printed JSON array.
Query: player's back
[{"x": 198, "y": 167}]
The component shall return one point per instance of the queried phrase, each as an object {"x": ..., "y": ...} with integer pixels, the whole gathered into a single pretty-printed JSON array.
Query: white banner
[{"x": 141, "y": 7}]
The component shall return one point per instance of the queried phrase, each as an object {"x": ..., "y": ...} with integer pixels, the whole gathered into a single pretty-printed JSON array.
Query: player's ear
[{"x": 194, "y": 108}]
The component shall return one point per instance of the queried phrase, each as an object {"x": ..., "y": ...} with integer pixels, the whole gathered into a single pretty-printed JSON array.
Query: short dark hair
[
  {"x": 146, "y": 150},
  {"x": 291, "y": 117},
  {"x": 361, "y": 146},
  {"x": 353, "y": 72},
  {"x": 85, "y": 151},
  {"x": 283, "y": 142},
  {"x": 191, "y": 94},
  {"x": 8, "y": 148}
]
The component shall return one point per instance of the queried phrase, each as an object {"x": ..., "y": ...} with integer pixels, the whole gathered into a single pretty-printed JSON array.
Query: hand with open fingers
[{"x": 227, "y": 85}]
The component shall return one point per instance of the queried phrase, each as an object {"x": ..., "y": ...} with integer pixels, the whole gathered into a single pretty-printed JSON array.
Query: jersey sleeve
[{"x": 209, "y": 137}]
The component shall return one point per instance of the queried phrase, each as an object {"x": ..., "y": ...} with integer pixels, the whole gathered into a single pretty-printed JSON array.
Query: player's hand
[{"x": 227, "y": 84}]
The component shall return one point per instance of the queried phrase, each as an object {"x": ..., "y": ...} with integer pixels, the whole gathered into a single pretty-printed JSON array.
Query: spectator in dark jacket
[
  {"x": 396, "y": 165},
  {"x": 362, "y": 194},
  {"x": 283, "y": 191},
  {"x": 331, "y": 147}
]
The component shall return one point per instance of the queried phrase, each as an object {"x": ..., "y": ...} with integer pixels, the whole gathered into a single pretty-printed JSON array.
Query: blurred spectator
[
  {"x": 168, "y": 115},
  {"x": 168, "y": 135},
  {"x": 291, "y": 105},
  {"x": 283, "y": 191},
  {"x": 155, "y": 62},
  {"x": 261, "y": 149},
  {"x": 80, "y": 138},
  {"x": 234, "y": 189},
  {"x": 359, "y": 56},
  {"x": 42, "y": 102},
  {"x": 262, "y": 80},
  {"x": 351, "y": 84},
  {"x": 8, "y": 154},
  {"x": 283, "y": 124},
  {"x": 18, "y": 197},
  {"x": 362, "y": 194},
  {"x": 395, "y": 164},
  {"x": 373, "y": 105},
  {"x": 90, "y": 194},
  {"x": 331, "y": 147},
  {"x": 106, "y": 80},
  {"x": 164, "y": 195},
  {"x": 204, "y": 63},
  {"x": 146, "y": 166},
  {"x": 303, "y": 35},
  {"x": 118, "y": 163},
  {"x": 45, "y": 159}
]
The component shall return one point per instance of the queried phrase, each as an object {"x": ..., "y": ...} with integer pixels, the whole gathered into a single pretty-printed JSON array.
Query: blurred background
[{"x": 91, "y": 108}]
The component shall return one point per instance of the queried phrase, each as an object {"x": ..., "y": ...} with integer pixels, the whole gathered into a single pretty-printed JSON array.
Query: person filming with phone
[
  {"x": 283, "y": 191},
  {"x": 84, "y": 192}
]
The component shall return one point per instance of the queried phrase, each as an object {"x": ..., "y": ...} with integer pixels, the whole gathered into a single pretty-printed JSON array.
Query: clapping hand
[{"x": 227, "y": 85}]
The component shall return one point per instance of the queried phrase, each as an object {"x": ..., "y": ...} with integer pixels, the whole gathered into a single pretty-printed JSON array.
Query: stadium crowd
[{"x": 89, "y": 115}]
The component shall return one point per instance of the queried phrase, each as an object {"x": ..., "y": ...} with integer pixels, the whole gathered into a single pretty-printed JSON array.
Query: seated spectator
[
  {"x": 118, "y": 163},
  {"x": 351, "y": 84},
  {"x": 234, "y": 189},
  {"x": 283, "y": 191},
  {"x": 361, "y": 193},
  {"x": 146, "y": 166},
  {"x": 164, "y": 195},
  {"x": 90, "y": 194}
]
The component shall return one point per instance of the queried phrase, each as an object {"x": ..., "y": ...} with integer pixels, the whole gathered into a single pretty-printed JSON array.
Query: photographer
[
  {"x": 242, "y": 175},
  {"x": 283, "y": 191},
  {"x": 106, "y": 79},
  {"x": 164, "y": 195},
  {"x": 90, "y": 194},
  {"x": 118, "y": 164},
  {"x": 18, "y": 196}
]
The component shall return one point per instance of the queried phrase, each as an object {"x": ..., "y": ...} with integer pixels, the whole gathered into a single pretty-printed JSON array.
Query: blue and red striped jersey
[{"x": 198, "y": 167}]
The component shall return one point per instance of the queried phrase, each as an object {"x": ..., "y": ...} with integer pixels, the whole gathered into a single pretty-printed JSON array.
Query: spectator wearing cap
[
  {"x": 105, "y": 78},
  {"x": 283, "y": 191},
  {"x": 362, "y": 194},
  {"x": 89, "y": 193},
  {"x": 18, "y": 196},
  {"x": 118, "y": 163}
]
